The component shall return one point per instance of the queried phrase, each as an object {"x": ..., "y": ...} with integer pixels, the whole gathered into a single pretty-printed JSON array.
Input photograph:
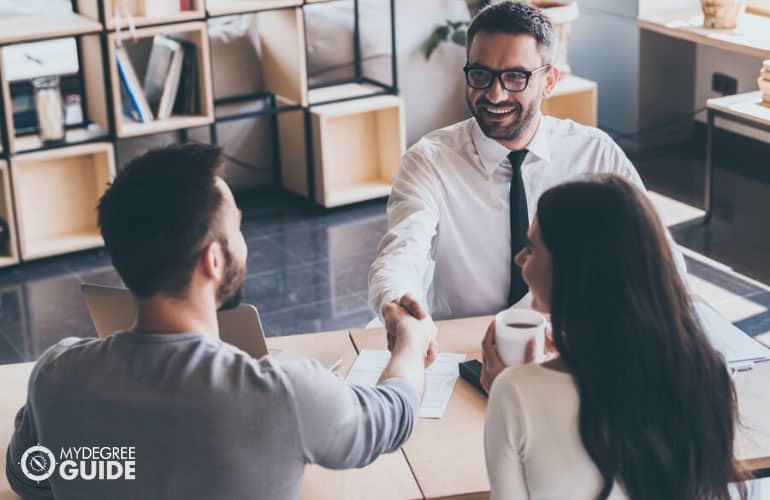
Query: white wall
[{"x": 434, "y": 90}]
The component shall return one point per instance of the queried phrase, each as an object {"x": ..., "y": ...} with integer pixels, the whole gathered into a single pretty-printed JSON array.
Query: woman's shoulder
[
  {"x": 532, "y": 381},
  {"x": 521, "y": 374}
]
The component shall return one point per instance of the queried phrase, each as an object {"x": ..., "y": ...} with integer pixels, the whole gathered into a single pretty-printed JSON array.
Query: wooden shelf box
[
  {"x": 284, "y": 59},
  {"x": 194, "y": 32},
  {"x": 16, "y": 29},
  {"x": 574, "y": 98},
  {"x": 229, "y": 7},
  {"x": 56, "y": 194},
  {"x": 94, "y": 92},
  {"x": 160, "y": 11},
  {"x": 357, "y": 148},
  {"x": 9, "y": 255}
]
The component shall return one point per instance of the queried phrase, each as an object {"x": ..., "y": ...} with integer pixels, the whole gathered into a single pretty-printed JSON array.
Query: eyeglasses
[{"x": 512, "y": 80}]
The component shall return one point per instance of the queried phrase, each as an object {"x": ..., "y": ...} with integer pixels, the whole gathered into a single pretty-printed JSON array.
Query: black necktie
[{"x": 519, "y": 224}]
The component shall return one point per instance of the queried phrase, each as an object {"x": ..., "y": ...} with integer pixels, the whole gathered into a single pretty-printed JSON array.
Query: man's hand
[
  {"x": 413, "y": 346},
  {"x": 409, "y": 305},
  {"x": 406, "y": 331},
  {"x": 493, "y": 364}
]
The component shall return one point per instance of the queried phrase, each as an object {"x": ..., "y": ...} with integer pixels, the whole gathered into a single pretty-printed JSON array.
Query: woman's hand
[{"x": 492, "y": 364}]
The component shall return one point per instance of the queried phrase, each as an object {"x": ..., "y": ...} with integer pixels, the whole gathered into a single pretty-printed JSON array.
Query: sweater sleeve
[
  {"x": 344, "y": 426},
  {"x": 504, "y": 440}
]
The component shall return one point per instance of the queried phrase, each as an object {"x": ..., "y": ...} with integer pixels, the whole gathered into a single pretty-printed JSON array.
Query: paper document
[
  {"x": 439, "y": 378},
  {"x": 726, "y": 338}
]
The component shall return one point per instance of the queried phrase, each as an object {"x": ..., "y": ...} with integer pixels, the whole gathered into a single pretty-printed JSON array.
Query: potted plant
[{"x": 561, "y": 14}]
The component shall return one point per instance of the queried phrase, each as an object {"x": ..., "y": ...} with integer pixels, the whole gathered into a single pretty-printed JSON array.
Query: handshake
[{"x": 410, "y": 328}]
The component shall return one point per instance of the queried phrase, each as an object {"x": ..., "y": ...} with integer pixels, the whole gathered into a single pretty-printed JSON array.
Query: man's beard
[
  {"x": 230, "y": 291},
  {"x": 524, "y": 117}
]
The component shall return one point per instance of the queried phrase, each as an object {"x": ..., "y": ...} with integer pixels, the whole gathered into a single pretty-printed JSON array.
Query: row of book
[{"x": 170, "y": 84}]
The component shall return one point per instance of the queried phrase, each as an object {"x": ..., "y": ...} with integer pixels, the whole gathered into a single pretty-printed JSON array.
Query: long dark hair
[{"x": 657, "y": 405}]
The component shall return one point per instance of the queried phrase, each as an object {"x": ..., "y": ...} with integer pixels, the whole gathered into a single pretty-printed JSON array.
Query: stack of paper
[
  {"x": 764, "y": 81},
  {"x": 439, "y": 378}
]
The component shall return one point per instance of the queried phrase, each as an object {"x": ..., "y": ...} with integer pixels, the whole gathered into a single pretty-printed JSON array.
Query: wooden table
[
  {"x": 444, "y": 458},
  {"x": 750, "y": 37},
  {"x": 447, "y": 454}
]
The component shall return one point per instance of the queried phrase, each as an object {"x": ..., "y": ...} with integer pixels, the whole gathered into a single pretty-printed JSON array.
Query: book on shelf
[
  {"x": 135, "y": 104},
  {"x": 187, "y": 98},
  {"x": 164, "y": 70}
]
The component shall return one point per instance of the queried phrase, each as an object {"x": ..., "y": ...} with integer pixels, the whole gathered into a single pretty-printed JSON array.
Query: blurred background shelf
[
  {"x": 142, "y": 12},
  {"x": 56, "y": 193},
  {"x": 40, "y": 27}
]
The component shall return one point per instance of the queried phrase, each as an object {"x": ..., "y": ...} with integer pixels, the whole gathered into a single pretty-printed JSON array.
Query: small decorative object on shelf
[
  {"x": 722, "y": 14},
  {"x": 5, "y": 237},
  {"x": 764, "y": 82},
  {"x": 50, "y": 109}
]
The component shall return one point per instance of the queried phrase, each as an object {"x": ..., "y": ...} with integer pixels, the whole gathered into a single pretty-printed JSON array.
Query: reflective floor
[{"x": 307, "y": 268}]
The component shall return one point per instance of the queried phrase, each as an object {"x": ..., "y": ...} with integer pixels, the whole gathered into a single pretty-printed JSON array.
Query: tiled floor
[{"x": 308, "y": 268}]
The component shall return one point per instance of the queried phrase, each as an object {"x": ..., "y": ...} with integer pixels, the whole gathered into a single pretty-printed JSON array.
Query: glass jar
[{"x": 50, "y": 108}]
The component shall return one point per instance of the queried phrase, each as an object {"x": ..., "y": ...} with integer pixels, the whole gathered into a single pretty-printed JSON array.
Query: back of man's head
[
  {"x": 159, "y": 214},
  {"x": 514, "y": 18}
]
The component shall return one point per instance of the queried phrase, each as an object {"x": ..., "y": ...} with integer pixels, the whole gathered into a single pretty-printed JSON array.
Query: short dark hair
[
  {"x": 517, "y": 19},
  {"x": 161, "y": 211}
]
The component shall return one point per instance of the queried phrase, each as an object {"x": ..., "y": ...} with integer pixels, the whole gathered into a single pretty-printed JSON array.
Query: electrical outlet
[{"x": 724, "y": 84}]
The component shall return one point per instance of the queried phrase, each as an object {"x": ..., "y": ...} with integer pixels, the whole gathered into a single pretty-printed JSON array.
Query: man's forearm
[{"x": 407, "y": 363}]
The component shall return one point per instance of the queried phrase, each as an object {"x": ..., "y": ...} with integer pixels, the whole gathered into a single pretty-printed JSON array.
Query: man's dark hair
[
  {"x": 161, "y": 211},
  {"x": 516, "y": 19}
]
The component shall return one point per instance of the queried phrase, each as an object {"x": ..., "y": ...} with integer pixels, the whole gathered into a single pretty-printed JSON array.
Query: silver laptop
[{"x": 113, "y": 309}]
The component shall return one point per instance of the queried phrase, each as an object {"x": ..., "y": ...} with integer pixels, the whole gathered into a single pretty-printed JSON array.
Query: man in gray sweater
[{"x": 166, "y": 410}]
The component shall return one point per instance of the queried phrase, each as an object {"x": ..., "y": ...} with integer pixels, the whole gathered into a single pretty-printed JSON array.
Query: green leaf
[
  {"x": 459, "y": 37},
  {"x": 441, "y": 33}
]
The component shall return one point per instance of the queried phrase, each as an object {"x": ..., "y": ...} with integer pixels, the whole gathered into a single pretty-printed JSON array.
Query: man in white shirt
[{"x": 451, "y": 230}]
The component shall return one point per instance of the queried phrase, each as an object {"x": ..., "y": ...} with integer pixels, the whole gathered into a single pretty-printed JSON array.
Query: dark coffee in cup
[{"x": 521, "y": 325}]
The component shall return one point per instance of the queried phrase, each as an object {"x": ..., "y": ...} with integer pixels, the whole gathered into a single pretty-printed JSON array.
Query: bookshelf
[
  {"x": 41, "y": 27},
  {"x": 167, "y": 12},
  {"x": 357, "y": 147},
  {"x": 56, "y": 193},
  {"x": 335, "y": 144},
  {"x": 230, "y": 7},
  {"x": 93, "y": 83},
  {"x": 195, "y": 33},
  {"x": 9, "y": 255}
]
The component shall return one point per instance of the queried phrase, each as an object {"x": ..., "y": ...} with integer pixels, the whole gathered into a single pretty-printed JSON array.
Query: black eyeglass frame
[{"x": 498, "y": 75}]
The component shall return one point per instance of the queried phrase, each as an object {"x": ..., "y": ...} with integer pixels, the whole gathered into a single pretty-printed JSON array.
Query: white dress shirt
[
  {"x": 448, "y": 239},
  {"x": 532, "y": 440}
]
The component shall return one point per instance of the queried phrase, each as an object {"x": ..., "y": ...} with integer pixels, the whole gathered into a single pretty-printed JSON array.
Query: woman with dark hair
[{"x": 637, "y": 404}]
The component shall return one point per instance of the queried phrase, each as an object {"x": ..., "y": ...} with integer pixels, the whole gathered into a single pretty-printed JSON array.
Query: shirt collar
[{"x": 492, "y": 153}]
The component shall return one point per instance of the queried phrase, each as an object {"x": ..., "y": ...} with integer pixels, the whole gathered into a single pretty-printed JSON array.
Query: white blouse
[{"x": 531, "y": 439}]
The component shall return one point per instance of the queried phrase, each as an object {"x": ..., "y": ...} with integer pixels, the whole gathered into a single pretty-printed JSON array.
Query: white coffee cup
[{"x": 512, "y": 340}]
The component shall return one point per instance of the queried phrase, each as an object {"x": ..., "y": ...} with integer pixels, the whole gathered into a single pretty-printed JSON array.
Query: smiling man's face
[{"x": 501, "y": 114}]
